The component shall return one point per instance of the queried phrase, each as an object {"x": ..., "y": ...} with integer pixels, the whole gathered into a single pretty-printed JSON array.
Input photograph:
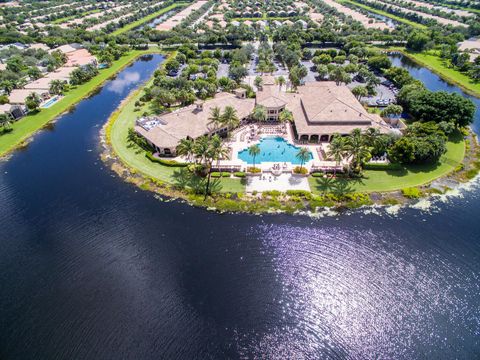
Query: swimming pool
[
  {"x": 273, "y": 149},
  {"x": 50, "y": 102}
]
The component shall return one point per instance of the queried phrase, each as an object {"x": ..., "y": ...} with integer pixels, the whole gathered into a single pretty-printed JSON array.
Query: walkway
[{"x": 283, "y": 182}]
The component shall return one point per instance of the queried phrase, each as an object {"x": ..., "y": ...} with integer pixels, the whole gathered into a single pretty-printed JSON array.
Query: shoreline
[
  {"x": 48, "y": 116},
  {"x": 272, "y": 202},
  {"x": 411, "y": 56}
]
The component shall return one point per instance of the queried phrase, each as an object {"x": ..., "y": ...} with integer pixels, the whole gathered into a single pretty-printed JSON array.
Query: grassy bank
[
  {"x": 134, "y": 157},
  {"x": 384, "y": 13},
  {"x": 27, "y": 126},
  {"x": 147, "y": 18},
  {"x": 433, "y": 62},
  {"x": 408, "y": 176}
]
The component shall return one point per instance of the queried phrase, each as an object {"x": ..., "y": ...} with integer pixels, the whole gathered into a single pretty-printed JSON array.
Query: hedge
[
  {"x": 216, "y": 174},
  {"x": 389, "y": 166},
  {"x": 301, "y": 193},
  {"x": 170, "y": 163},
  {"x": 239, "y": 174}
]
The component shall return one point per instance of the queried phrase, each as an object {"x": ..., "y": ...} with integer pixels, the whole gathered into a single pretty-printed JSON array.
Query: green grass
[
  {"x": 135, "y": 157},
  {"x": 147, "y": 18},
  {"x": 409, "y": 176},
  {"x": 27, "y": 126},
  {"x": 384, "y": 13},
  {"x": 432, "y": 61}
]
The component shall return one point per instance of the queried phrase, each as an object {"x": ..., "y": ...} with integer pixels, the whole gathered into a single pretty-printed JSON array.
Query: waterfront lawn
[
  {"x": 25, "y": 127},
  {"x": 384, "y": 13},
  {"x": 135, "y": 158},
  {"x": 147, "y": 18},
  {"x": 391, "y": 180},
  {"x": 432, "y": 61}
]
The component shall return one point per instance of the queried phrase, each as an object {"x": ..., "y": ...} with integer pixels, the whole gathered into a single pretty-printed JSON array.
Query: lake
[{"x": 94, "y": 268}]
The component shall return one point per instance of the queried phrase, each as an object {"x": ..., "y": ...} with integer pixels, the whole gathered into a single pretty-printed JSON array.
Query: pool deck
[
  {"x": 281, "y": 182},
  {"x": 281, "y": 179}
]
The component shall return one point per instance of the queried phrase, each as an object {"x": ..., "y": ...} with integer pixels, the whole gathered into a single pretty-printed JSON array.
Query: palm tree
[
  {"x": 57, "y": 87},
  {"x": 371, "y": 137},
  {"x": 254, "y": 150},
  {"x": 7, "y": 86},
  {"x": 215, "y": 152},
  {"x": 359, "y": 91},
  {"x": 281, "y": 81},
  {"x": 356, "y": 148},
  {"x": 186, "y": 148},
  {"x": 5, "y": 122},
  {"x": 336, "y": 149},
  {"x": 303, "y": 155},
  {"x": 230, "y": 118},
  {"x": 258, "y": 82},
  {"x": 285, "y": 116},
  {"x": 215, "y": 117},
  {"x": 259, "y": 113},
  {"x": 200, "y": 149}
]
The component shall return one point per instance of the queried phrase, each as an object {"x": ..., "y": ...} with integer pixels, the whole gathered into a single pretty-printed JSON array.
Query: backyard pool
[
  {"x": 50, "y": 102},
  {"x": 273, "y": 149}
]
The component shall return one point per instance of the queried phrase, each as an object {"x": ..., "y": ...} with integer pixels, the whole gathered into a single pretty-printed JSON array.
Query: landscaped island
[
  {"x": 262, "y": 131},
  {"x": 261, "y": 105}
]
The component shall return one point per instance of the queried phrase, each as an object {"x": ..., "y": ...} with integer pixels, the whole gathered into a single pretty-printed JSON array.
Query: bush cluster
[
  {"x": 170, "y": 163},
  {"x": 216, "y": 174}
]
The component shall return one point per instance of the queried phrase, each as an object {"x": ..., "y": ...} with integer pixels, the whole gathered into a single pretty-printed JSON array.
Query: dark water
[{"x": 92, "y": 268}]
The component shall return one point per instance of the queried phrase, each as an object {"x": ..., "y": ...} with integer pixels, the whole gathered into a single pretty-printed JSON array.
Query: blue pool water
[
  {"x": 273, "y": 149},
  {"x": 50, "y": 102}
]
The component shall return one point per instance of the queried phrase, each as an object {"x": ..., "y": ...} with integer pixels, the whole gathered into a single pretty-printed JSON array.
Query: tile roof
[{"x": 191, "y": 121}]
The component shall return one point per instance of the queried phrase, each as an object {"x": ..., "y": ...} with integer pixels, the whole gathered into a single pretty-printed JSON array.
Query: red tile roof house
[{"x": 81, "y": 57}]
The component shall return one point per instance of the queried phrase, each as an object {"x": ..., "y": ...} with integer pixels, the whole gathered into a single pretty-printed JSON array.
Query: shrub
[
  {"x": 216, "y": 174},
  {"x": 411, "y": 192},
  {"x": 272, "y": 193},
  {"x": 300, "y": 170},
  {"x": 390, "y": 201},
  {"x": 318, "y": 174},
  {"x": 470, "y": 174},
  {"x": 254, "y": 170},
  {"x": 300, "y": 193},
  {"x": 170, "y": 163},
  {"x": 390, "y": 166},
  {"x": 239, "y": 174}
]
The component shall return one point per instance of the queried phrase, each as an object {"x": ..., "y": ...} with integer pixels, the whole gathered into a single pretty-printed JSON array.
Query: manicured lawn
[
  {"x": 25, "y": 127},
  {"x": 384, "y": 13},
  {"x": 410, "y": 176},
  {"x": 147, "y": 18},
  {"x": 432, "y": 61},
  {"x": 135, "y": 157}
]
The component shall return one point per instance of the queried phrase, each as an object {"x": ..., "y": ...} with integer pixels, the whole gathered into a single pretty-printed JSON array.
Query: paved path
[{"x": 282, "y": 182}]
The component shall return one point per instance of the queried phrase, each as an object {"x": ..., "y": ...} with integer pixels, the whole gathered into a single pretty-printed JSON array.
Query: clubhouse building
[{"x": 320, "y": 110}]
